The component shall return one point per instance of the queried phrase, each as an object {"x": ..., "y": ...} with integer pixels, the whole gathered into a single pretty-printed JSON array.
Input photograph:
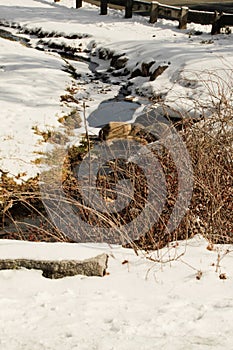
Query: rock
[
  {"x": 119, "y": 130},
  {"x": 121, "y": 72},
  {"x": 118, "y": 61},
  {"x": 105, "y": 54},
  {"x": 115, "y": 130},
  {"x": 139, "y": 132},
  {"x": 158, "y": 71},
  {"x": 146, "y": 68},
  {"x": 136, "y": 73},
  {"x": 143, "y": 71},
  {"x": 57, "y": 269}
]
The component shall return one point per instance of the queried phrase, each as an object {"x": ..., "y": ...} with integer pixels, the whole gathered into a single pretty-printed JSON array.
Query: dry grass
[
  {"x": 210, "y": 213},
  {"x": 210, "y": 144},
  {"x": 22, "y": 214}
]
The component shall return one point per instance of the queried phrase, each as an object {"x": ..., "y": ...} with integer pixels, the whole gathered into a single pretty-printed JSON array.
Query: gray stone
[{"x": 57, "y": 269}]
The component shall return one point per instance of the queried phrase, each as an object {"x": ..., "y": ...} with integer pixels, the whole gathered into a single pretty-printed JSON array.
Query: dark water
[{"x": 9, "y": 36}]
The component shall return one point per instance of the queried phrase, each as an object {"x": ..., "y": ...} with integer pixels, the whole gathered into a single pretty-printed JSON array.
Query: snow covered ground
[
  {"x": 140, "y": 304},
  {"x": 32, "y": 81}
]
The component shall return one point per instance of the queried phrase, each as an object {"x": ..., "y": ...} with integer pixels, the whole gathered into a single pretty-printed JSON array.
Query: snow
[
  {"x": 33, "y": 81},
  {"x": 141, "y": 304},
  {"x": 137, "y": 305},
  {"x": 31, "y": 84}
]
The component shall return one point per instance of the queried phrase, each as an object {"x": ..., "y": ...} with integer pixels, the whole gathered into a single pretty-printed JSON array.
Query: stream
[
  {"x": 117, "y": 108},
  {"x": 113, "y": 108}
]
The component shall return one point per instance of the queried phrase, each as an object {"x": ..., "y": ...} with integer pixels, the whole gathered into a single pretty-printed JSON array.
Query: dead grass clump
[
  {"x": 22, "y": 213},
  {"x": 210, "y": 213},
  {"x": 210, "y": 145}
]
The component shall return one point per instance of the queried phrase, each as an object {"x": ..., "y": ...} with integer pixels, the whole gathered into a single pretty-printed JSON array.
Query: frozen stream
[{"x": 104, "y": 101}]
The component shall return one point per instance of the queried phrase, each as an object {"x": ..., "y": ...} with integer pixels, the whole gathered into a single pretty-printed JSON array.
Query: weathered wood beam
[
  {"x": 183, "y": 17},
  {"x": 216, "y": 25},
  {"x": 103, "y": 7},
  {"x": 128, "y": 8},
  {"x": 154, "y": 12},
  {"x": 78, "y": 4}
]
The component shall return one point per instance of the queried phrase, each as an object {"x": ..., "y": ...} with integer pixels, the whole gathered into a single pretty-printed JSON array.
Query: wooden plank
[
  {"x": 216, "y": 24},
  {"x": 201, "y": 17},
  {"x": 183, "y": 18},
  {"x": 103, "y": 7},
  {"x": 129, "y": 9},
  {"x": 78, "y": 4},
  {"x": 118, "y": 2},
  {"x": 226, "y": 20},
  {"x": 154, "y": 12},
  {"x": 169, "y": 12},
  {"x": 141, "y": 6}
]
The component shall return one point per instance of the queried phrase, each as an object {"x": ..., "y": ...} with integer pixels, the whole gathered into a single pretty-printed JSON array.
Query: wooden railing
[{"x": 156, "y": 10}]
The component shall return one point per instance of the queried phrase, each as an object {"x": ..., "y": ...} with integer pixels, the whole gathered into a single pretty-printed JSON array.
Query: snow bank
[{"x": 139, "y": 305}]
